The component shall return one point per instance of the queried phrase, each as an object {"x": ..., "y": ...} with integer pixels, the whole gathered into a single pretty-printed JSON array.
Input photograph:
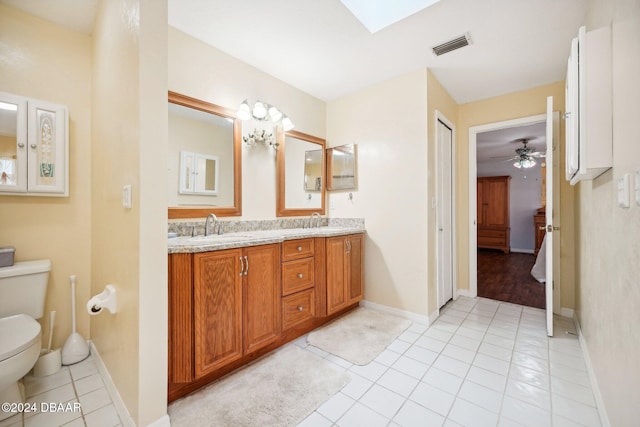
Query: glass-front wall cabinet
[{"x": 34, "y": 147}]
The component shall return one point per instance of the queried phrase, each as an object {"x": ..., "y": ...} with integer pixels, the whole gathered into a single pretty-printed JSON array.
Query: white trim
[
  {"x": 464, "y": 293},
  {"x": 522, "y": 251},
  {"x": 454, "y": 257},
  {"x": 121, "y": 408},
  {"x": 602, "y": 410},
  {"x": 566, "y": 312},
  {"x": 163, "y": 421},
  {"x": 418, "y": 318},
  {"x": 473, "y": 171}
]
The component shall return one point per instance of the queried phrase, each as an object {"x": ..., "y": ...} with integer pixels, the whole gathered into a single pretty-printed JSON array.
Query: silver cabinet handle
[
  {"x": 300, "y": 308},
  {"x": 300, "y": 276},
  {"x": 299, "y": 248},
  {"x": 246, "y": 261},
  {"x": 20, "y": 144},
  {"x": 34, "y": 146},
  {"x": 348, "y": 246},
  {"x": 241, "y": 266}
]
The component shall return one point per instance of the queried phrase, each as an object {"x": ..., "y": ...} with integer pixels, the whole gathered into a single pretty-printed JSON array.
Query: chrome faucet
[
  {"x": 318, "y": 218},
  {"x": 214, "y": 218}
]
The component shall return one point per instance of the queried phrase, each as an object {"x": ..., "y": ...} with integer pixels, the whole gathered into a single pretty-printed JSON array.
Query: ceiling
[
  {"x": 498, "y": 145},
  {"x": 321, "y": 48}
]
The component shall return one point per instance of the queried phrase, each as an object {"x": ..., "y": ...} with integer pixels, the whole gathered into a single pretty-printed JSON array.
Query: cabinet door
[
  {"x": 217, "y": 305},
  {"x": 355, "y": 264},
  {"x": 262, "y": 316},
  {"x": 336, "y": 274},
  {"x": 496, "y": 196},
  {"x": 13, "y": 146},
  {"x": 48, "y": 145}
]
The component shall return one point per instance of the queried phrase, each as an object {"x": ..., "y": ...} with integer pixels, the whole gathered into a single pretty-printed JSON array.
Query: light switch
[
  {"x": 126, "y": 196},
  {"x": 638, "y": 187},
  {"x": 623, "y": 191}
]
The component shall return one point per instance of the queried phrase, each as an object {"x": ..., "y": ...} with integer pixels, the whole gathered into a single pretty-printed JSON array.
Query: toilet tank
[{"x": 23, "y": 288}]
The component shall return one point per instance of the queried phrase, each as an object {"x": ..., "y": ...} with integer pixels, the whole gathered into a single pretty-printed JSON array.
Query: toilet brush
[{"x": 75, "y": 348}]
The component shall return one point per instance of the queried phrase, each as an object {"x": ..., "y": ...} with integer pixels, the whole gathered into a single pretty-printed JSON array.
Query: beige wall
[
  {"x": 388, "y": 122},
  {"x": 608, "y": 290},
  {"x": 512, "y": 106},
  {"x": 44, "y": 61},
  {"x": 438, "y": 100},
  {"x": 204, "y": 72},
  {"x": 129, "y": 141}
]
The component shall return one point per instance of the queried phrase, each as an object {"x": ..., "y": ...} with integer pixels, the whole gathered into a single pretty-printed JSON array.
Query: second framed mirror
[{"x": 300, "y": 174}]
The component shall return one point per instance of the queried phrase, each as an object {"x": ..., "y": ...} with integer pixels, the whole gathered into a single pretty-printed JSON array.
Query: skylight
[{"x": 378, "y": 14}]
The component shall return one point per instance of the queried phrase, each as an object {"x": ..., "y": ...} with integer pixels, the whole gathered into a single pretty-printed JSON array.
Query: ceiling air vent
[{"x": 457, "y": 43}]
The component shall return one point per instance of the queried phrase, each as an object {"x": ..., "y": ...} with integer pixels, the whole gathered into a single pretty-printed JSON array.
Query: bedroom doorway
[{"x": 507, "y": 265}]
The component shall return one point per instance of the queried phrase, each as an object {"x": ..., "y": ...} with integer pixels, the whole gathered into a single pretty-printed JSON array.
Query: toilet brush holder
[{"x": 48, "y": 363}]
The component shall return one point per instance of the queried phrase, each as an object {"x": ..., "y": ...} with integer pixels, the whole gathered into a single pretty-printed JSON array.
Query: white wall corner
[
  {"x": 602, "y": 410},
  {"x": 121, "y": 408},
  {"x": 417, "y": 318}
]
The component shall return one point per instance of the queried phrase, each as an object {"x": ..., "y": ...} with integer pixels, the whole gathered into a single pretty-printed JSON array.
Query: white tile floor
[
  {"x": 482, "y": 363},
  {"x": 75, "y": 384}
]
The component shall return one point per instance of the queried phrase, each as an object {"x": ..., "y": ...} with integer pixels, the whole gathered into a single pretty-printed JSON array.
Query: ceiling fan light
[
  {"x": 244, "y": 112},
  {"x": 259, "y": 110}
]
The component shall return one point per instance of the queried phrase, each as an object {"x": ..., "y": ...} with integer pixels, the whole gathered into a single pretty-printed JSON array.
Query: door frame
[
  {"x": 473, "y": 171},
  {"x": 439, "y": 116}
]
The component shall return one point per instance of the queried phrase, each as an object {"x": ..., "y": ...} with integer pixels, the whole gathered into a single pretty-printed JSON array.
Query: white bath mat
[
  {"x": 360, "y": 335},
  {"x": 280, "y": 390}
]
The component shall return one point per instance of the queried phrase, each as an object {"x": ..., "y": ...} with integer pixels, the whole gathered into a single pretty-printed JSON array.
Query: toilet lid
[{"x": 17, "y": 333}]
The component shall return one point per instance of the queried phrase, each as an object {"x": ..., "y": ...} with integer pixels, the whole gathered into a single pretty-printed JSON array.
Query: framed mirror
[
  {"x": 205, "y": 164},
  {"x": 301, "y": 178},
  {"x": 342, "y": 168}
]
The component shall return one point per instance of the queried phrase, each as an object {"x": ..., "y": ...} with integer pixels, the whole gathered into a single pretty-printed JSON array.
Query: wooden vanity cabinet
[
  {"x": 229, "y": 307},
  {"x": 345, "y": 271},
  {"x": 235, "y": 309}
]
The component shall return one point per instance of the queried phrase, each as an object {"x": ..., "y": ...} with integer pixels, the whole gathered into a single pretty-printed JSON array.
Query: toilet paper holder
[{"x": 106, "y": 299}]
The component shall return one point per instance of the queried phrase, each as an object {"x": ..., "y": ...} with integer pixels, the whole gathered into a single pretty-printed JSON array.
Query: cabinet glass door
[{"x": 13, "y": 143}]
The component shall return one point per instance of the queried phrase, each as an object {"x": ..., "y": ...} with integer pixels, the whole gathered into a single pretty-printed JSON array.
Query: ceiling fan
[{"x": 525, "y": 156}]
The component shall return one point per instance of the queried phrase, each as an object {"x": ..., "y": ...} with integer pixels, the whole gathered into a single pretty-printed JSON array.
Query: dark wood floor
[{"x": 507, "y": 277}]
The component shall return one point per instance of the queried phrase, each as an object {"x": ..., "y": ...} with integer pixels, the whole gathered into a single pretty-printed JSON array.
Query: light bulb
[
  {"x": 244, "y": 113},
  {"x": 287, "y": 124},
  {"x": 259, "y": 111}
]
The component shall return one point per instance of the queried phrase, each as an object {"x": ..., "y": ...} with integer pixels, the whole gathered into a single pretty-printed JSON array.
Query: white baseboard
[
  {"x": 522, "y": 251},
  {"x": 566, "y": 312},
  {"x": 163, "y": 421},
  {"x": 602, "y": 411},
  {"x": 462, "y": 293},
  {"x": 418, "y": 318},
  {"x": 123, "y": 412}
]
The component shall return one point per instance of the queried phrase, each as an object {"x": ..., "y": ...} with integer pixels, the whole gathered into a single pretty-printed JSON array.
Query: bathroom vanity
[{"x": 235, "y": 297}]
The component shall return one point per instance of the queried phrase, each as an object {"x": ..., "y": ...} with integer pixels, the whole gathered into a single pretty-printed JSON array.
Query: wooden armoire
[{"x": 493, "y": 212}]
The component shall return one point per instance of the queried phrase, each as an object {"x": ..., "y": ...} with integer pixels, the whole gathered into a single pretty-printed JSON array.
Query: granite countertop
[{"x": 241, "y": 239}]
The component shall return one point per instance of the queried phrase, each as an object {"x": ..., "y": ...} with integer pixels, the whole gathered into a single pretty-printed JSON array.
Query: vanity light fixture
[{"x": 263, "y": 112}]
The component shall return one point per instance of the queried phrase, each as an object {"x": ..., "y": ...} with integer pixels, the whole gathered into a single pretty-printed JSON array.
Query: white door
[
  {"x": 549, "y": 218},
  {"x": 444, "y": 213}
]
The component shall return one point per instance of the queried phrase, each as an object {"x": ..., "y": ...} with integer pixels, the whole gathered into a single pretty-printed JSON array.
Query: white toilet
[{"x": 23, "y": 288}]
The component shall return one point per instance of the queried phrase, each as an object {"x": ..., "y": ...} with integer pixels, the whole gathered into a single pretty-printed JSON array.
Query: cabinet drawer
[
  {"x": 297, "y": 308},
  {"x": 492, "y": 234},
  {"x": 297, "y": 275},
  {"x": 296, "y": 249}
]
